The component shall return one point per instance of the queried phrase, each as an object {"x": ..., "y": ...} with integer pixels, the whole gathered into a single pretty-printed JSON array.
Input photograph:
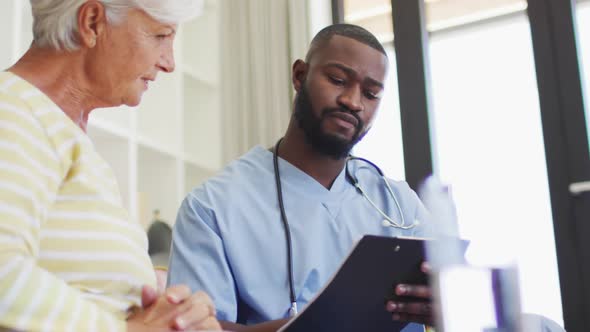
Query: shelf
[
  {"x": 211, "y": 5},
  {"x": 200, "y": 45},
  {"x": 7, "y": 22},
  {"x": 16, "y": 30},
  {"x": 26, "y": 35},
  {"x": 157, "y": 185},
  {"x": 115, "y": 150},
  {"x": 151, "y": 144},
  {"x": 158, "y": 116},
  {"x": 202, "y": 125},
  {"x": 194, "y": 162},
  {"x": 197, "y": 76},
  {"x": 106, "y": 124},
  {"x": 195, "y": 175},
  {"x": 117, "y": 118}
]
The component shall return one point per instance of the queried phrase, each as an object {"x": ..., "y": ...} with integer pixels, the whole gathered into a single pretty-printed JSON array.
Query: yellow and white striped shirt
[{"x": 70, "y": 258}]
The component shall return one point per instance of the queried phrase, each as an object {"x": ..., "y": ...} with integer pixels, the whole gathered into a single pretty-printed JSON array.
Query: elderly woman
[{"x": 70, "y": 258}]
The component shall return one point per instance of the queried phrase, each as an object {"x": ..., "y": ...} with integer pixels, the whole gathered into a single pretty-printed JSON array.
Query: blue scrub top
[{"x": 229, "y": 240}]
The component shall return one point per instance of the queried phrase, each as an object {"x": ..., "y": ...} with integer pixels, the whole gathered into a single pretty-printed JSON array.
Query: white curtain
[{"x": 260, "y": 39}]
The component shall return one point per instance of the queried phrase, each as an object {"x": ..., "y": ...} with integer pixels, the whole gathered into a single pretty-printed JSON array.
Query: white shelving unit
[{"x": 170, "y": 143}]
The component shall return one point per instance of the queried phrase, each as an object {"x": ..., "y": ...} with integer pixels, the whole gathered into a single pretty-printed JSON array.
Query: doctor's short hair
[
  {"x": 55, "y": 22},
  {"x": 346, "y": 30}
]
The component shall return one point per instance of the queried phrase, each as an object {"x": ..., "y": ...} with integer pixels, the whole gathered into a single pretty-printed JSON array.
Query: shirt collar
[{"x": 293, "y": 178}]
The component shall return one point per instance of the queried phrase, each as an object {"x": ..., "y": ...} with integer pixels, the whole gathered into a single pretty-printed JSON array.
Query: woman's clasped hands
[{"x": 174, "y": 309}]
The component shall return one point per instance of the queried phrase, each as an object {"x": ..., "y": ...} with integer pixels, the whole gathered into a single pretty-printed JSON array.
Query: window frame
[{"x": 561, "y": 97}]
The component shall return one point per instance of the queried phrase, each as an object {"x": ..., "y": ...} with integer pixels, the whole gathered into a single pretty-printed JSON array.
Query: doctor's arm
[
  {"x": 198, "y": 259},
  {"x": 198, "y": 256}
]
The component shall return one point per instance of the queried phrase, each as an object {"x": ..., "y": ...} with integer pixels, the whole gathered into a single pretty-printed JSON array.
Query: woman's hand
[{"x": 175, "y": 310}]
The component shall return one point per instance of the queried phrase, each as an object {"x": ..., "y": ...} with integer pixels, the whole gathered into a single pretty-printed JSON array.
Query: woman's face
[{"x": 128, "y": 56}]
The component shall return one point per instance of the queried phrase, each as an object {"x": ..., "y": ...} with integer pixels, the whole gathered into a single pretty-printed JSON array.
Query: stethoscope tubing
[
  {"x": 388, "y": 221},
  {"x": 293, "y": 309}
]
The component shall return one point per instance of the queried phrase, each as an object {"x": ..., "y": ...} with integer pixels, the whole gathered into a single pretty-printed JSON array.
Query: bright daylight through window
[{"x": 487, "y": 132}]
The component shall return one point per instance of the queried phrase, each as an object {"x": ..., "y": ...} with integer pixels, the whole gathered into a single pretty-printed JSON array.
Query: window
[
  {"x": 487, "y": 133},
  {"x": 583, "y": 20},
  {"x": 383, "y": 144},
  {"x": 490, "y": 146}
]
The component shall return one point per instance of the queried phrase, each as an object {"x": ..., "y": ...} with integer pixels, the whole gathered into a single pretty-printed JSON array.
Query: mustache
[{"x": 329, "y": 111}]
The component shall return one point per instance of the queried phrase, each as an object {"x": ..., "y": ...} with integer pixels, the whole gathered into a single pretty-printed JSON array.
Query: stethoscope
[{"x": 387, "y": 221}]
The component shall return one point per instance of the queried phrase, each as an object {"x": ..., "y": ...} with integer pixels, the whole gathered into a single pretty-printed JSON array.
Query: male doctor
[{"x": 231, "y": 238}]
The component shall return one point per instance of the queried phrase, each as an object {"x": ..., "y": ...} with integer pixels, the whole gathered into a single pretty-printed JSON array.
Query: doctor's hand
[
  {"x": 412, "y": 310},
  {"x": 177, "y": 309}
]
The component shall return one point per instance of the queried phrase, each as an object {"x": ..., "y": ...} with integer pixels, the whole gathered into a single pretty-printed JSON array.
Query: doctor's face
[{"x": 338, "y": 94}]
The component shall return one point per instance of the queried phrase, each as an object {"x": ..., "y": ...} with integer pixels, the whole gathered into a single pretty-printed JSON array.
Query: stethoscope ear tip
[{"x": 385, "y": 223}]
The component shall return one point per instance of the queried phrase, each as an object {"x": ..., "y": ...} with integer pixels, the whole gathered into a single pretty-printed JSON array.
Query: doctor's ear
[{"x": 299, "y": 73}]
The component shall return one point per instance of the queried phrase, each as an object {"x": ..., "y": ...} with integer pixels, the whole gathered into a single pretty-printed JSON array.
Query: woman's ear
[
  {"x": 92, "y": 22},
  {"x": 299, "y": 73}
]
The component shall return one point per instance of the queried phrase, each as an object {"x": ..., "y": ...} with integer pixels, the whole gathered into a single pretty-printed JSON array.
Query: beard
[{"x": 322, "y": 142}]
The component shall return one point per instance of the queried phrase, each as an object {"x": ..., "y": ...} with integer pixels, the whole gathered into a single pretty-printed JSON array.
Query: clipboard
[{"x": 354, "y": 299}]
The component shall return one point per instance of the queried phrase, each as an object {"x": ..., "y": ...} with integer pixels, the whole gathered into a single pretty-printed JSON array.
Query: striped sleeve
[{"x": 31, "y": 298}]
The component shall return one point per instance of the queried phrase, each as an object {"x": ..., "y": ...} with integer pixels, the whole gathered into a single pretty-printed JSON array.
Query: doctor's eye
[
  {"x": 371, "y": 95},
  {"x": 336, "y": 80}
]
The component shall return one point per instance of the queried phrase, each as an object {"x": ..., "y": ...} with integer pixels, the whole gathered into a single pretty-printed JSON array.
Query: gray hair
[{"x": 55, "y": 22}]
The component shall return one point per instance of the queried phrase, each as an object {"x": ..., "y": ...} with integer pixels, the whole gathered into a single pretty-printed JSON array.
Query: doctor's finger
[
  {"x": 414, "y": 308},
  {"x": 413, "y": 290},
  {"x": 402, "y": 317}
]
